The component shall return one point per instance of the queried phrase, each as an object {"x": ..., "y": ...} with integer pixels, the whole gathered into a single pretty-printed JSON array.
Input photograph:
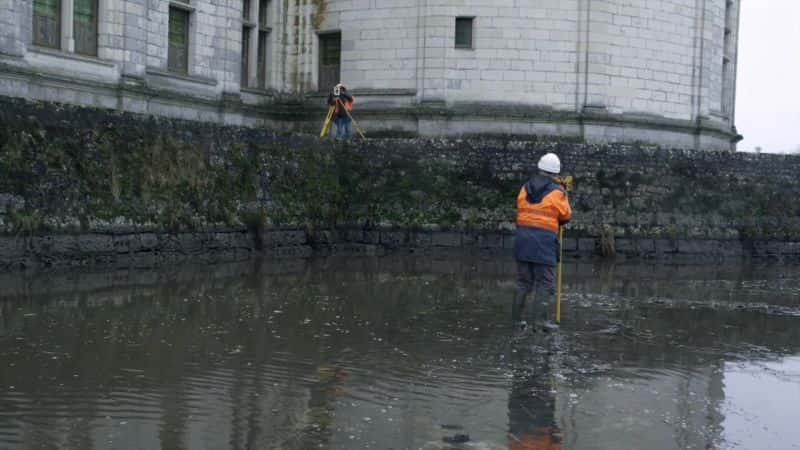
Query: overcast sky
[{"x": 768, "y": 79}]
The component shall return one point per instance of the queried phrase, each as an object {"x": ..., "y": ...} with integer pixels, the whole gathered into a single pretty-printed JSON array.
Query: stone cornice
[{"x": 305, "y": 109}]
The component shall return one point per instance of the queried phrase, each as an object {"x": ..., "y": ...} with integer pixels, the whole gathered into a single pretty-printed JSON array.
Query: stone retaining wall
[{"x": 82, "y": 186}]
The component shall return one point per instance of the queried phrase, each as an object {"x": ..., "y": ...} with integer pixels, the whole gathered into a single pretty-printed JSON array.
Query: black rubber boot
[
  {"x": 535, "y": 314},
  {"x": 546, "y": 320},
  {"x": 518, "y": 306}
]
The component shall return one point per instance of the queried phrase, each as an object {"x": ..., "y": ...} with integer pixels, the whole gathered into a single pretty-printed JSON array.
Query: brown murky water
[{"x": 399, "y": 352}]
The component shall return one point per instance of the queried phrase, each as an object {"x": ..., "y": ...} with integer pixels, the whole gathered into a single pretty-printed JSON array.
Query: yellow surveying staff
[
  {"x": 566, "y": 182},
  {"x": 542, "y": 208}
]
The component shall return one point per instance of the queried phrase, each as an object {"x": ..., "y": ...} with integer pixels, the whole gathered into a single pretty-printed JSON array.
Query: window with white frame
[
  {"x": 255, "y": 43},
  {"x": 178, "y": 39},
  {"x": 68, "y": 25},
  {"x": 85, "y": 27},
  {"x": 47, "y": 23},
  {"x": 247, "y": 32},
  {"x": 263, "y": 40}
]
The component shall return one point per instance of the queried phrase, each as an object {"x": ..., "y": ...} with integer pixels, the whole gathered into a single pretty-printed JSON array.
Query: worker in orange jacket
[
  {"x": 342, "y": 104},
  {"x": 542, "y": 207}
]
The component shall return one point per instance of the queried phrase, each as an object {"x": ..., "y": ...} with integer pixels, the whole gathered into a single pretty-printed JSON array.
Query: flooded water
[{"x": 400, "y": 353}]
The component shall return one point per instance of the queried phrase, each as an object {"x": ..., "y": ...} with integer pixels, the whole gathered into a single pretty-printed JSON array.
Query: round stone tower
[{"x": 602, "y": 70}]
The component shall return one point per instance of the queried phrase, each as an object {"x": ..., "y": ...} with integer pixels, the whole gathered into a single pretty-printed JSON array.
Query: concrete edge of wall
[{"x": 152, "y": 249}]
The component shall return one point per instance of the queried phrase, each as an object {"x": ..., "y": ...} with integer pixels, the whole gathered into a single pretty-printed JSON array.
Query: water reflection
[
  {"x": 387, "y": 353},
  {"x": 532, "y": 420},
  {"x": 763, "y": 418}
]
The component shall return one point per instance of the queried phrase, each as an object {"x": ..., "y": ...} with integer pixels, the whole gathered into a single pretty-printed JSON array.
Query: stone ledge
[
  {"x": 370, "y": 93},
  {"x": 70, "y": 56},
  {"x": 257, "y": 91},
  {"x": 177, "y": 76},
  {"x": 139, "y": 250}
]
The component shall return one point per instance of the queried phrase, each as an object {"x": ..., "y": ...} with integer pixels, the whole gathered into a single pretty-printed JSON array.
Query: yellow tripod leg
[
  {"x": 353, "y": 120},
  {"x": 558, "y": 276},
  {"x": 326, "y": 125}
]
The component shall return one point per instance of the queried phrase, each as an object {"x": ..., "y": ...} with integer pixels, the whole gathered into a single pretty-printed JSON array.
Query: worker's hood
[{"x": 539, "y": 186}]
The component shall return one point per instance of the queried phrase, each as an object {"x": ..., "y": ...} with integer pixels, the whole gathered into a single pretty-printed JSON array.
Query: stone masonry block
[
  {"x": 12, "y": 247},
  {"x": 702, "y": 247},
  {"x": 394, "y": 238},
  {"x": 646, "y": 246},
  {"x": 490, "y": 240},
  {"x": 446, "y": 239},
  {"x": 191, "y": 242},
  {"x": 665, "y": 246},
  {"x": 96, "y": 244},
  {"x": 626, "y": 246},
  {"x": 587, "y": 245},
  {"x": 275, "y": 238},
  {"x": 421, "y": 238}
]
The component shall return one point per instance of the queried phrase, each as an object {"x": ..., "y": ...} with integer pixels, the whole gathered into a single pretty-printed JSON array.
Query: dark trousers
[
  {"x": 344, "y": 127},
  {"x": 538, "y": 278}
]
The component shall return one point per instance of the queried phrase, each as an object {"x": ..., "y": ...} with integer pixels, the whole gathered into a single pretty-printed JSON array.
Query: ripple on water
[{"x": 429, "y": 352}]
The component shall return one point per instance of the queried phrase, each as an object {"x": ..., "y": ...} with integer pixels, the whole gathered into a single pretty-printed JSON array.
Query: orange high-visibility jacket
[
  {"x": 535, "y": 441},
  {"x": 552, "y": 211},
  {"x": 347, "y": 101}
]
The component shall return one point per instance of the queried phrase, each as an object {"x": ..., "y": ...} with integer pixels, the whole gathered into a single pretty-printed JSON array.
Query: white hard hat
[{"x": 550, "y": 163}]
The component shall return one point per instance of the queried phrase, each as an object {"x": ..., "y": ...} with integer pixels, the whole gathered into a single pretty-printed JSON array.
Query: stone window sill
[
  {"x": 177, "y": 76},
  {"x": 371, "y": 92},
  {"x": 719, "y": 115},
  {"x": 258, "y": 91},
  {"x": 69, "y": 56}
]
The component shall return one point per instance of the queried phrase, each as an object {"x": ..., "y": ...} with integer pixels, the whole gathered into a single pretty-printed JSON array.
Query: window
[
  {"x": 178, "y": 52},
  {"x": 47, "y": 23},
  {"x": 245, "y": 56},
  {"x": 728, "y": 52},
  {"x": 262, "y": 13},
  {"x": 85, "y": 27},
  {"x": 247, "y": 32},
  {"x": 263, "y": 40},
  {"x": 464, "y": 32},
  {"x": 330, "y": 56},
  {"x": 48, "y": 20},
  {"x": 255, "y": 44},
  {"x": 255, "y": 40},
  {"x": 262, "y": 58}
]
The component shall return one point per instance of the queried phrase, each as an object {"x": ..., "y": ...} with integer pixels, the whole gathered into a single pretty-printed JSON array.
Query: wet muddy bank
[{"x": 118, "y": 250}]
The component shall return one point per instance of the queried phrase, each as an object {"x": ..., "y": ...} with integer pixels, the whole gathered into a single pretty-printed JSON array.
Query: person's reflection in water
[
  {"x": 531, "y": 404},
  {"x": 318, "y": 420}
]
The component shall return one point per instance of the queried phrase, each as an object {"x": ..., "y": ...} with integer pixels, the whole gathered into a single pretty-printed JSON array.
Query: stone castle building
[{"x": 602, "y": 70}]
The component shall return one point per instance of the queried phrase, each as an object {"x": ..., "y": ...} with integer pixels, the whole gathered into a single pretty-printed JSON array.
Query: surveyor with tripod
[
  {"x": 542, "y": 208},
  {"x": 342, "y": 104}
]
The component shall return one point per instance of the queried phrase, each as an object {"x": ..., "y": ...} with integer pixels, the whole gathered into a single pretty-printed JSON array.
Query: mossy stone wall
[{"x": 79, "y": 170}]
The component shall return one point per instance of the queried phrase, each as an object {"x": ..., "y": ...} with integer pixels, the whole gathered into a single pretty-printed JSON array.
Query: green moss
[
  {"x": 125, "y": 174},
  {"x": 159, "y": 176}
]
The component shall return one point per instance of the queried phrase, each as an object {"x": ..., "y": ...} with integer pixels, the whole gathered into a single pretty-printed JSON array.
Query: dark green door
[{"x": 330, "y": 56}]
